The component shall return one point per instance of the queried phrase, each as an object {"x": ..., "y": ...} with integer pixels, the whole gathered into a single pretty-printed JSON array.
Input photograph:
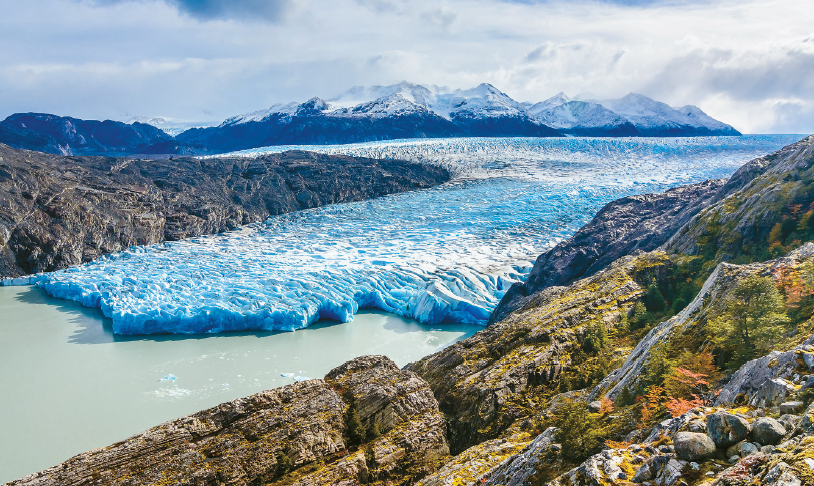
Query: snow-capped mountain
[
  {"x": 397, "y": 111},
  {"x": 654, "y": 118},
  {"x": 586, "y": 118},
  {"x": 169, "y": 126},
  {"x": 363, "y": 114}
]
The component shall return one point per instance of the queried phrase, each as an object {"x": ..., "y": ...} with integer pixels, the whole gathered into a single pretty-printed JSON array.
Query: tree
[
  {"x": 654, "y": 299},
  {"x": 356, "y": 431},
  {"x": 753, "y": 319},
  {"x": 658, "y": 365},
  {"x": 596, "y": 337},
  {"x": 640, "y": 316},
  {"x": 577, "y": 431}
]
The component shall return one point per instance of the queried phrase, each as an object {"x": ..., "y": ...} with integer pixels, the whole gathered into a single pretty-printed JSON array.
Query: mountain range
[{"x": 364, "y": 114}]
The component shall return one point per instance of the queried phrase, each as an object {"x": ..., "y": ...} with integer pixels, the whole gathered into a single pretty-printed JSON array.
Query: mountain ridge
[{"x": 363, "y": 114}]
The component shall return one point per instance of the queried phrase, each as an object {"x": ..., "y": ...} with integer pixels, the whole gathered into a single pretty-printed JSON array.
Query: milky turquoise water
[{"x": 68, "y": 384}]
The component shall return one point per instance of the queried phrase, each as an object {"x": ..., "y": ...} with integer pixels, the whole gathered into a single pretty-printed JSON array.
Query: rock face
[
  {"x": 273, "y": 435},
  {"x": 479, "y": 381},
  {"x": 692, "y": 446},
  {"x": 634, "y": 223},
  {"x": 744, "y": 219},
  {"x": 57, "y": 212},
  {"x": 238, "y": 442}
]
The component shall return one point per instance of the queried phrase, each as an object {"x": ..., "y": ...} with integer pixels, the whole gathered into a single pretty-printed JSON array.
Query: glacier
[{"x": 441, "y": 255}]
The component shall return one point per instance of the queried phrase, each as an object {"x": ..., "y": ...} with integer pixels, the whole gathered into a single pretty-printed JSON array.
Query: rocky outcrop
[
  {"x": 487, "y": 382},
  {"x": 297, "y": 434},
  {"x": 622, "y": 227},
  {"x": 741, "y": 223},
  {"x": 57, "y": 212},
  {"x": 712, "y": 298},
  {"x": 238, "y": 442}
]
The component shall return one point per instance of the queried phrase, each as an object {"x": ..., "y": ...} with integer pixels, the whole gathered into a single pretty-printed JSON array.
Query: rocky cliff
[
  {"x": 57, "y": 211},
  {"x": 298, "y": 434},
  {"x": 634, "y": 223}
]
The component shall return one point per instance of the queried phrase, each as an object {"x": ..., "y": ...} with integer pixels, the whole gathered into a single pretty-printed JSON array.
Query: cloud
[
  {"x": 440, "y": 17},
  {"x": 746, "y": 62},
  {"x": 251, "y": 10}
]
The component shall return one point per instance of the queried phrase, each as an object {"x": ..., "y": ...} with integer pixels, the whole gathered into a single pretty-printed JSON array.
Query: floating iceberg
[
  {"x": 170, "y": 378},
  {"x": 441, "y": 255}
]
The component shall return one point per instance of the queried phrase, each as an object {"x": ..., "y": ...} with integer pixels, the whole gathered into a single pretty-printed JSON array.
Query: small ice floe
[
  {"x": 224, "y": 385},
  {"x": 301, "y": 378},
  {"x": 170, "y": 393},
  {"x": 170, "y": 378},
  {"x": 286, "y": 375}
]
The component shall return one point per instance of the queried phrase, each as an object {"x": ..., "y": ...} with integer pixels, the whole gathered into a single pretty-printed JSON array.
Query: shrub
[
  {"x": 654, "y": 298},
  {"x": 356, "y": 430},
  {"x": 577, "y": 432}
]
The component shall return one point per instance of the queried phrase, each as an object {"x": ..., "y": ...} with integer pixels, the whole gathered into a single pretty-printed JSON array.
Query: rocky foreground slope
[
  {"x": 687, "y": 364},
  {"x": 57, "y": 212},
  {"x": 310, "y": 433}
]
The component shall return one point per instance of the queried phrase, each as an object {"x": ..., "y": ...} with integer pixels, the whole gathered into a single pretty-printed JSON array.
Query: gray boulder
[
  {"x": 697, "y": 426},
  {"x": 726, "y": 429},
  {"x": 767, "y": 431},
  {"x": 773, "y": 392},
  {"x": 789, "y": 421},
  {"x": 692, "y": 446},
  {"x": 792, "y": 407}
]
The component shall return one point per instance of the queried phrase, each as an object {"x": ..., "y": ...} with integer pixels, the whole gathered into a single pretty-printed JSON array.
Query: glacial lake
[{"x": 70, "y": 385}]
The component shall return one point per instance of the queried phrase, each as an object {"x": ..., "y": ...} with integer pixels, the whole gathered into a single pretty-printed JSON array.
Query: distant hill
[{"x": 364, "y": 114}]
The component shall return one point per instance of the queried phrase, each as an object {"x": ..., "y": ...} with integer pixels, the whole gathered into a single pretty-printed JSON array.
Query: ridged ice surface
[{"x": 442, "y": 255}]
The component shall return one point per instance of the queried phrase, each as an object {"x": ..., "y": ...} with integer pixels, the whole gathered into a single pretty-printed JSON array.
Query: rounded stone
[
  {"x": 692, "y": 446},
  {"x": 726, "y": 429},
  {"x": 767, "y": 431}
]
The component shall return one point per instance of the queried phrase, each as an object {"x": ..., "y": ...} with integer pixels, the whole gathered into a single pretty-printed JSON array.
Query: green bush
[
  {"x": 356, "y": 430},
  {"x": 577, "y": 432}
]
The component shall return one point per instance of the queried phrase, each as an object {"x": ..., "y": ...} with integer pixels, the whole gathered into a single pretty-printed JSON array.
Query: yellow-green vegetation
[
  {"x": 477, "y": 462},
  {"x": 752, "y": 323}
]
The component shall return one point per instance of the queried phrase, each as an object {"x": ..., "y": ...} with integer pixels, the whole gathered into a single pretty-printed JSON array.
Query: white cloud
[{"x": 750, "y": 63}]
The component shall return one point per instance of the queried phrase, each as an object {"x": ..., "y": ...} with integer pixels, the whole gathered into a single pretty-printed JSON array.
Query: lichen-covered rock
[
  {"x": 478, "y": 380},
  {"x": 243, "y": 442},
  {"x": 692, "y": 446},
  {"x": 726, "y": 429},
  {"x": 764, "y": 381},
  {"x": 519, "y": 468},
  {"x": 380, "y": 392},
  {"x": 477, "y": 464},
  {"x": 792, "y": 407},
  {"x": 767, "y": 431},
  {"x": 622, "y": 227},
  {"x": 236, "y": 442},
  {"x": 781, "y": 475}
]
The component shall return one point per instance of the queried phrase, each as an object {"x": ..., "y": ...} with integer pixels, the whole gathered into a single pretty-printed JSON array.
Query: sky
[{"x": 747, "y": 63}]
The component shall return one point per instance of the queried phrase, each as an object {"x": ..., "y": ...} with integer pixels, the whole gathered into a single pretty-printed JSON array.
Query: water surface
[{"x": 70, "y": 385}]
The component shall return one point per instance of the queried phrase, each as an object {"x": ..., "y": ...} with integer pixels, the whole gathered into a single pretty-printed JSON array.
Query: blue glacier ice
[{"x": 441, "y": 255}]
